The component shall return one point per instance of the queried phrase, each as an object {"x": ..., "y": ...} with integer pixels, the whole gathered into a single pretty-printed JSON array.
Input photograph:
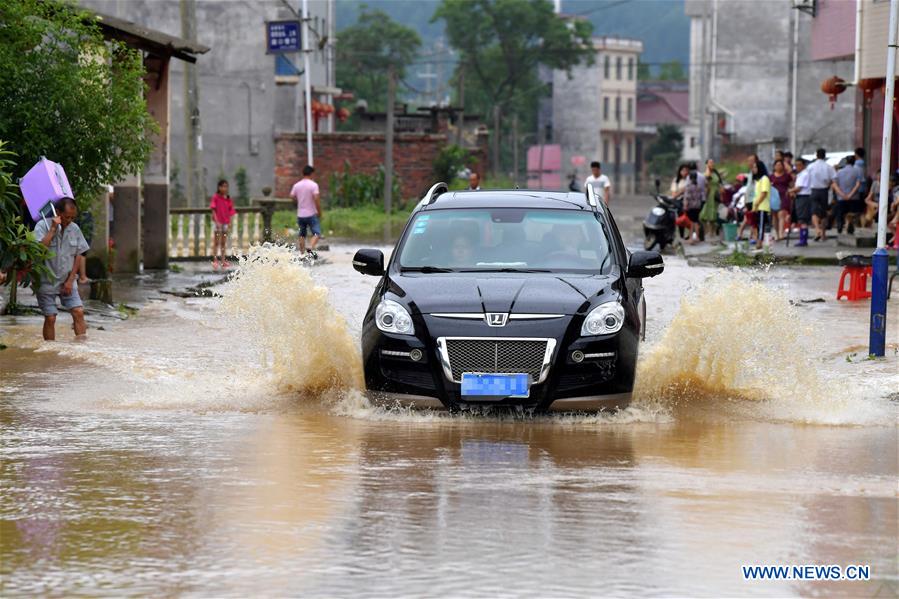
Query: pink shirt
[
  {"x": 304, "y": 191},
  {"x": 222, "y": 209}
]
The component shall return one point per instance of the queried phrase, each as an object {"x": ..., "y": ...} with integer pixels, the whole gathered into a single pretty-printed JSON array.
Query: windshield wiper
[
  {"x": 506, "y": 269},
  {"x": 425, "y": 269}
]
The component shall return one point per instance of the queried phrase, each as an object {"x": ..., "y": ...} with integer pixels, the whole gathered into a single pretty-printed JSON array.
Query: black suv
[{"x": 522, "y": 297}]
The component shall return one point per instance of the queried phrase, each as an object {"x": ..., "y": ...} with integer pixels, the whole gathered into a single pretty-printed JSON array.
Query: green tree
[
  {"x": 665, "y": 151},
  {"x": 501, "y": 44},
  {"x": 643, "y": 71},
  {"x": 672, "y": 70},
  {"x": 367, "y": 50},
  {"x": 71, "y": 95},
  {"x": 20, "y": 252}
]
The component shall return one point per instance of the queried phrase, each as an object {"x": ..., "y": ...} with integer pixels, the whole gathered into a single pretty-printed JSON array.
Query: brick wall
[{"x": 413, "y": 158}]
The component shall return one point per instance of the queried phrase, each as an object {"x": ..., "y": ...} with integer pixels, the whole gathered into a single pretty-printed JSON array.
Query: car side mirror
[
  {"x": 645, "y": 264},
  {"x": 369, "y": 262}
]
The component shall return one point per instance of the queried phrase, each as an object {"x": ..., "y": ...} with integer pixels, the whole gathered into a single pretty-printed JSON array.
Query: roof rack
[
  {"x": 436, "y": 190},
  {"x": 591, "y": 195}
]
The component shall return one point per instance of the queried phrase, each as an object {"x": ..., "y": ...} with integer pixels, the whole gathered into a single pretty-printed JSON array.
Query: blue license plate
[{"x": 495, "y": 385}]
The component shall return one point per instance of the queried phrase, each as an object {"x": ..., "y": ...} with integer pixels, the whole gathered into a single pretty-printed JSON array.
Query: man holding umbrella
[{"x": 66, "y": 243}]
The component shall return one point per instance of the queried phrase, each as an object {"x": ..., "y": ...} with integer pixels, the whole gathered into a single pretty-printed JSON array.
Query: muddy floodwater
[{"x": 218, "y": 447}]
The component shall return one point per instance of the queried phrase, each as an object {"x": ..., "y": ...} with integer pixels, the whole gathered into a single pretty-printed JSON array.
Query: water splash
[
  {"x": 276, "y": 307},
  {"x": 736, "y": 346}
]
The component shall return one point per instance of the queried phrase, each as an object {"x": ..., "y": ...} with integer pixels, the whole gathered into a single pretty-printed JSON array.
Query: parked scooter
[{"x": 659, "y": 225}]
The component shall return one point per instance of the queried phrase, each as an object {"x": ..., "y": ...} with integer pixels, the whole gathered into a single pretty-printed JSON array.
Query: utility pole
[
  {"x": 880, "y": 261},
  {"x": 703, "y": 78},
  {"x": 388, "y": 140},
  {"x": 194, "y": 142},
  {"x": 495, "y": 142},
  {"x": 794, "y": 86},
  {"x": 307, "y": 76},
  {"x": 461, "y": 123},
  {"x": 515, "y": 149}
]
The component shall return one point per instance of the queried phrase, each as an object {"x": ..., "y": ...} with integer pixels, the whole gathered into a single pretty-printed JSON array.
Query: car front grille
[{"x": 529, "y": 356}]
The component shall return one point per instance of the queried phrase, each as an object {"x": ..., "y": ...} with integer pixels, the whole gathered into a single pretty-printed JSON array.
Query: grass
[{"x": 361, "y": 222}]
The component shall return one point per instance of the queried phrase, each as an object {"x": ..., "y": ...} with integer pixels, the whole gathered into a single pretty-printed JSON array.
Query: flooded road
[{"x": 217, "y": 448}]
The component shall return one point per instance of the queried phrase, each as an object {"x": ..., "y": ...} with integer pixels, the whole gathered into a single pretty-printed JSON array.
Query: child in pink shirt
[{"x": 222, "y": 212}]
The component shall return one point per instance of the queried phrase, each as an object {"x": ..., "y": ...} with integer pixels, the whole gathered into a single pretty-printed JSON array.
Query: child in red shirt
[{"x": 222, "y": 212}]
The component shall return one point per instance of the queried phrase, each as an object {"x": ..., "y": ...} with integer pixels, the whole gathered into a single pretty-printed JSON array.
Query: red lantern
[
  {"x": 343, "y": 114},
  {"x": 833, "y": 87},
  {"x": 868, "y": 87}
]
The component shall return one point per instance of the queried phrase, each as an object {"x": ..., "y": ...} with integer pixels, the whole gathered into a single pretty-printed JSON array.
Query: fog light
[
  {"x": 416, "y": 355},
  {"x": 577, "y": 356}
]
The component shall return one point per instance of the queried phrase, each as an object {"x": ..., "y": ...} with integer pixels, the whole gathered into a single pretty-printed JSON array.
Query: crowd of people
[{"x": 811, "y": 196}]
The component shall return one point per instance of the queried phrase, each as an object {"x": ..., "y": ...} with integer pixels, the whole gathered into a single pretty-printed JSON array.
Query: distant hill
[{"x": 660, "y": 24}]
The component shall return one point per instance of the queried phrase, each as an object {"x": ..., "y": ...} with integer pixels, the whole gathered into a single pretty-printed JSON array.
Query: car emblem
[{"x": 496, "y": 319}]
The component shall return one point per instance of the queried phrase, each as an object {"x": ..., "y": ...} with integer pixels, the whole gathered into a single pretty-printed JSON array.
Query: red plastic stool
[{"x": 858, "y": 283}]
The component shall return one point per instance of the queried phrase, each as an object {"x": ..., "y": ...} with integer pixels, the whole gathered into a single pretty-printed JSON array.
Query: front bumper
[
  {"x": 603, "y": 379},
  {"x": 591, "y": 403}
]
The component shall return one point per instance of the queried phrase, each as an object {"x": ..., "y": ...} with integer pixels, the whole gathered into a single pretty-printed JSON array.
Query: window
[
  {"x": 618, "y": 108},
  {"x": 605, "y": 108},
  {"x": 605, "y": 67},
  {"x": 618, "y": 68},
  {"x": 630, "y": 109},
  {"x": 630, "y": 69},
  {"x": 488, "y": 240},
  {"x": 692, "y": 142},
  {"x": 605, "y": 151}
]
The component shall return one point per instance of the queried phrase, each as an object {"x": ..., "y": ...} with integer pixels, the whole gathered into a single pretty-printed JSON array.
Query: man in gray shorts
[{"x": 66, "y": 244}]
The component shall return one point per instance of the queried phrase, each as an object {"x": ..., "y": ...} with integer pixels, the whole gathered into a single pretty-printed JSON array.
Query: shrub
[
  {"x": 449, "y": 162},
  {"x": 348, "y": 189}
]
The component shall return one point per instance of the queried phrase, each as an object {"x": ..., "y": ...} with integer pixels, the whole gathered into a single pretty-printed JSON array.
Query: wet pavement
[{"x": 217, "y": 448}]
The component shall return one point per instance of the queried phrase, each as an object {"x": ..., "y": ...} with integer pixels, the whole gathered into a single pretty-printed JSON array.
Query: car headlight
[
  {"x": 603, "y": 319},
  {"x": 391, "y": 317}
]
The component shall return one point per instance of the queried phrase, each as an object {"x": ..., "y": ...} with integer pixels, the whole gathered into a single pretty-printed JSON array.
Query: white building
[{"x": 595, "y": 113}]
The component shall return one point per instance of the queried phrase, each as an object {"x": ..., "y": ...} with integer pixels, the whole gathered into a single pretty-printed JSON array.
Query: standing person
[
  {"x": 679, "y": 183},
  {"x": 66, "y": 243},
  {"x": 788, "y": 163},
  {"x": 693, "y": 205},
  {"x": 761, "y": 202},
  {"x": 862, "y": 168},
  {"x": 601, "y": 184},
  {"x": 846, "y": 185},
  {"x": 820, "y": 177},
  {"x": 309, "y": 210},
  {"x": 802, "y": 203},
  {"x": 474, "y": 182},
  {"x": 781, "y": 180},
  {"x": 708, "y": 216},
  {"x": 222, "y": 212}
]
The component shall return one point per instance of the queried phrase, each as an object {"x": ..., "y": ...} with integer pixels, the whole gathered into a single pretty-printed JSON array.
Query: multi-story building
[
  {"x": 245, "y": 96},
  {"x": 742, "y": 73},
  {"x": 595, "y": 113}
]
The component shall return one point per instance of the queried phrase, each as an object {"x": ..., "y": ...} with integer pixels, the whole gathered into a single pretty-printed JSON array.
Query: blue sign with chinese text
[{"x": 282, "y": 36}]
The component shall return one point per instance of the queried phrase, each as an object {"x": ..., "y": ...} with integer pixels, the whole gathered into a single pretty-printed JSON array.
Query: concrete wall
[
  {"x": 241, "y": 108},
  {"x": 749, "y": 76}
]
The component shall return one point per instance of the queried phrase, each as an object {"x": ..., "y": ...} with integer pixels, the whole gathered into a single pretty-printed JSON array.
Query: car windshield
[{"x": 506, "y": 239}]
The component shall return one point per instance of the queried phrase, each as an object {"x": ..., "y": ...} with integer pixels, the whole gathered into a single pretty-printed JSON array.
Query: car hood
[{"x": 500, "y": 292}]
